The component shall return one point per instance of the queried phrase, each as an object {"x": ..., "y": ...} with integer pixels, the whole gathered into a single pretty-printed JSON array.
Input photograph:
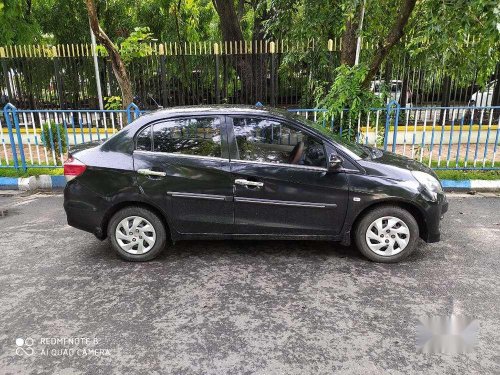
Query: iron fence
[
  {"x": 282, "y": 73},
  {"x": 460, "y": 137}
]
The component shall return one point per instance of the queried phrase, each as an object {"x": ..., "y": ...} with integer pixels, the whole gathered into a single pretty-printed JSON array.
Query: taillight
[{"x": 73, "y": 168}]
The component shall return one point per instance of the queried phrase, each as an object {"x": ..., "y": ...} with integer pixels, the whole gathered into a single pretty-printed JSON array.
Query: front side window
[
  {"x": 271, "y": 141},
  {"x": 188, "y": 136}
]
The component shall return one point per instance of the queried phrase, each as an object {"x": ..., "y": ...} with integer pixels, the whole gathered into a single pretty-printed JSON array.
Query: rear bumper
[{"x": 81, "y": 209}]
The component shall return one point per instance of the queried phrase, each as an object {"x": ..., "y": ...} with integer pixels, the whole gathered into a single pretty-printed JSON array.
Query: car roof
[
  {"x": 217, "y": 108},
  {"x": 220, "y": 109}
]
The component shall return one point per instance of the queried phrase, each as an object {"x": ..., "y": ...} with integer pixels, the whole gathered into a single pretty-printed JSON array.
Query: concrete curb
[
  {"x": 466, "y": 185},
  {"x": 43, "y": 182},
  {"x": 46, "y": 182}
]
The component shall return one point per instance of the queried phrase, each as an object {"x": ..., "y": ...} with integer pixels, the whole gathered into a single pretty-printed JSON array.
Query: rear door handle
[
  {"x": 243, "y": 182},
  {"x": 149, "y": 172}
]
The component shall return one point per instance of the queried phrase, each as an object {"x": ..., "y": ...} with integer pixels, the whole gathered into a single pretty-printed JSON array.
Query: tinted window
[
  {"x": 272, "y": 141},
  {"x": 144, "y": 139},
  {"x": 190, "y": 136},
  {"x": 355, "y": 150}
]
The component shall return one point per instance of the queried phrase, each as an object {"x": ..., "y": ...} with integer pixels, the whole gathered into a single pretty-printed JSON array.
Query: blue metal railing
[{"x": 442, "y": 137}]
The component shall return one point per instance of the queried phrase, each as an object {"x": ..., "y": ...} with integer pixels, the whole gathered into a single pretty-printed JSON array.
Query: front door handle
[
  {"x": 243, "y": 182},
  {"x": 149, "y": 172}
]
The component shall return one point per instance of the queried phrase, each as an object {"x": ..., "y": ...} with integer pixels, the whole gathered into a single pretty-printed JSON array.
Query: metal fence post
[
  {"x": 163, "y": 76},
  {"x": 389, "y": 108},
  {"x": 132, "y": 107},
  {"x": 387, "y": 124},
  {"x": 396, "y": 123},
  {"x": 272, "y": 50},
  {"x": 8, "y": 110},
  {"x": 59, "y": 81},
  {"x": 217, "y": 90}
]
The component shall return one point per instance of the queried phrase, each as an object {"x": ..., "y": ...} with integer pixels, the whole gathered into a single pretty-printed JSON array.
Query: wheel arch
[
  {"x": 413, "y": 209},
  {"x": 121, "y": 205}
]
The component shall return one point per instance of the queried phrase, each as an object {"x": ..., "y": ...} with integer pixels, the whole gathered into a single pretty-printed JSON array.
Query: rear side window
[
  {"x": 188, "y": 136},
  {"x": 144, "y": 139}
]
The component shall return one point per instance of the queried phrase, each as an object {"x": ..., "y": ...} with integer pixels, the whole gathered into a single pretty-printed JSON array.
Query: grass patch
[
  {"x": 460, "y": 164},
  {"x": 11, "y": 172},
  {"x": 468, "y": 175}
]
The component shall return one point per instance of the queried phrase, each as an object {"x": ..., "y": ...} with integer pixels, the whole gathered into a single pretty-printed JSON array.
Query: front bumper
[{"x": 433, "y": 216}]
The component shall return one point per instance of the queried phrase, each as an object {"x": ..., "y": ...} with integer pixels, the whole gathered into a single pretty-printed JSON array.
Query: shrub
[
  {"x": 54, "y": 138},
  {"x": 113, "y": 102}
]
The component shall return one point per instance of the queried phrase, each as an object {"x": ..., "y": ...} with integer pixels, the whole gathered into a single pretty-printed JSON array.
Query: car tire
[
  {"x": 137, "y": 234},
  {"x": 387, "y": 234}
]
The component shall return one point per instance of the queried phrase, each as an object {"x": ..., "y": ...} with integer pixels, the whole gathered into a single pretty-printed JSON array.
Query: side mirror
[{"x": 335, "y": 162}]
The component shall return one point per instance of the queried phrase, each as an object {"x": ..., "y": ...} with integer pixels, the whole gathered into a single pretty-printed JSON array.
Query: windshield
[{"x": 355, "y": 150}]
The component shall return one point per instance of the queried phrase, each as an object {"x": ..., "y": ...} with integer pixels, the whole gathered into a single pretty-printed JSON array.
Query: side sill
[{"x": 264, "y": 237}]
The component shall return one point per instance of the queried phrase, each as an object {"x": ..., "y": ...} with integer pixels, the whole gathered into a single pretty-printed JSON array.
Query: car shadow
[
  {"x": 253, "y": 248},
  {"x": 260, "y": 248}
]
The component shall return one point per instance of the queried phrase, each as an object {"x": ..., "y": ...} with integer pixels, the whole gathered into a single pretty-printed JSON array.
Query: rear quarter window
[{"x": 143, "y": 139}]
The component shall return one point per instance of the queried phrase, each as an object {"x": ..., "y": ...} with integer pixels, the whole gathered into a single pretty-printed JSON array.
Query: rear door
[
  {"x": 282, "y": 185},
  {"x": 182, "y": 164}
]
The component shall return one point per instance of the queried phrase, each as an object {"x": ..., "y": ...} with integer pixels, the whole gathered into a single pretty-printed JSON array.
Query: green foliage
[
  {"x": 17, "y": 24},
  {"x": 113, "y": 102},
  {"x": 346, "y": 92},
  {"x": 456, "y": 38},
  {"x": 346, "y": 99},
  {"x": 54, "y": 138},
  {"x": 137, "y": 44}
]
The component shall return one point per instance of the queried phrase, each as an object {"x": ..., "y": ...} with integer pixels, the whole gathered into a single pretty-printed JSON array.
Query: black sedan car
[{"x": 238, "y": 172}]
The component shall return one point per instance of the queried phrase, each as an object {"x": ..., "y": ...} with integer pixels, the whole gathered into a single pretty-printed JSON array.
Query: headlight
[{"x": 430, "y": 183}]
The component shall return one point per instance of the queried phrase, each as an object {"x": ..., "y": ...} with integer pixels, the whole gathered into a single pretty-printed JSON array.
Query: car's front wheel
[
  {"x": 387, "y": 234},
  {"x": 137, "y": 234}
]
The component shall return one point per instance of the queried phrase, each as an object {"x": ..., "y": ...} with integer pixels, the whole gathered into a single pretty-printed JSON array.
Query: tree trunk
[
  {"x": 445, "y": 97},
  {"x": 231, "y": 31},
  {"x": 495, "y": 100},
  {"x": 394, "y": 36},
  {"x": 260, "y": 61},
  {"x": 349, "y": 41},
  {"x": 184, "y": 81},
  {"x": 119, "y": 68}
]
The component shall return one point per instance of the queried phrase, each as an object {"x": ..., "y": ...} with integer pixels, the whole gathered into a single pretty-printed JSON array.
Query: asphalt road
[{"x": 240, "y": 307}]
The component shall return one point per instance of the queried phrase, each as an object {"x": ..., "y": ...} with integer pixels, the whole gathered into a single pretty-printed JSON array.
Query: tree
[
  {"x": 251, "y": 70},
  {"x": 394, "y": 36},
  {"x": 117, "y": 64},
  {"x": 17, "y": 24}
]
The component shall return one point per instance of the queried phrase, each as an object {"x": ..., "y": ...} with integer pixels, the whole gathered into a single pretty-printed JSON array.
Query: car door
[
  {"x": 182, "y": 164},
  {"x": 282, "y": 185}
]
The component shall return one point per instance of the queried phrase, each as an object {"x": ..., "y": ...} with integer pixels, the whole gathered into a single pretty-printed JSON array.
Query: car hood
[{"x": 394, "y": 166}]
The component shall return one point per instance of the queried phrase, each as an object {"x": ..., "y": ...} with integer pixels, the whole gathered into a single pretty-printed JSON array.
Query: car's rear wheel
[
  {"x": 387, "y": 234},
  {"x": 137, "y": 234}
]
